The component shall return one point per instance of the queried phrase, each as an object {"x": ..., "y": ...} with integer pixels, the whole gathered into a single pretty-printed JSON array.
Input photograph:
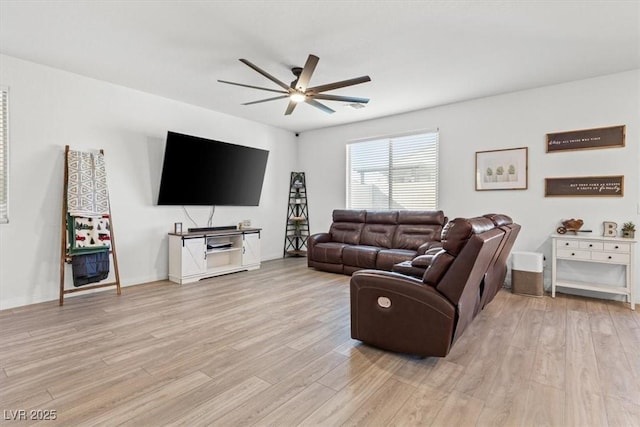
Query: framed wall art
[
  {"x": 586, "y": 139},
  {"x": 502, "y": 169},
  {"x": 585, "y": 186}
]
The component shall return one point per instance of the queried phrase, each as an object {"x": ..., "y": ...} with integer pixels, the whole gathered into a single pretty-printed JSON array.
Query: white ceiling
[{"x": 419, "y": 54}]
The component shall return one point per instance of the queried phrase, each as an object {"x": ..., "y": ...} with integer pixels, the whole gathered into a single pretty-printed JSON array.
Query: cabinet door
[
  {"x": 251, "y": 249},
  {"x": 193, "y": 256}
]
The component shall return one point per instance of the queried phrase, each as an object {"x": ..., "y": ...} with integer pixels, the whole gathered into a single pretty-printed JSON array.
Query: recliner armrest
[
  {"x": 427, "y": 246},
  {"x": 424, "y": 261},
  {"x": 402, "y": 285},
  {"x": 319, "y": 238}
]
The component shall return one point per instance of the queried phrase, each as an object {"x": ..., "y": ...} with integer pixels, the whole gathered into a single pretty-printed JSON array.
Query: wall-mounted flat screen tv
[{"x": 204, "y": 172}]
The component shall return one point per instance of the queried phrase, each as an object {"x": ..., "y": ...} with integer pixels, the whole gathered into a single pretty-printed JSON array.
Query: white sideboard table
[{"x": 594, "y": 249}]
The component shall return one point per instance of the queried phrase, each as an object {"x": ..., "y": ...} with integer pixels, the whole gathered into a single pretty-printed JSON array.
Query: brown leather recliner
[{"x": 425, "y": 317}]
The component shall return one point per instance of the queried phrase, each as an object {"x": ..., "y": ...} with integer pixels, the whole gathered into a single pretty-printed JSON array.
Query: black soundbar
[{"x": 199, "y": 229}]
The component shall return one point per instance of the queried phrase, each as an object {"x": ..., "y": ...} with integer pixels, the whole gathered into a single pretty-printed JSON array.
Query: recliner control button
[{"x": 384, "y": 302}]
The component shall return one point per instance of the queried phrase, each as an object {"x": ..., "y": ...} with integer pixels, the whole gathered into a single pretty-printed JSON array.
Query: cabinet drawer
[
  {"x": 567, "y": 244},
  {"x": 617, "y": 247},
  {"x": 592, "y": 245},
  {"x": 611, "y": 257},
  {"x": 574, "y": 254}
]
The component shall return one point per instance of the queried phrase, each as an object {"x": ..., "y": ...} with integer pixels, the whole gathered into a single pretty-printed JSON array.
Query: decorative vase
[{"x": 629, "y": 234}]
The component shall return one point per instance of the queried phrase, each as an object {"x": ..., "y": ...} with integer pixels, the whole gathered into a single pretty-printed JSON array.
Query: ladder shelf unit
[{"x": 297, "y": 227}]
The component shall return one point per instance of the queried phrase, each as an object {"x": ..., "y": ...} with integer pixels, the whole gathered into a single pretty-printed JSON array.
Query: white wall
[
  {"x": 506, "y": 121},
  {"x": 50, "y": 108}
]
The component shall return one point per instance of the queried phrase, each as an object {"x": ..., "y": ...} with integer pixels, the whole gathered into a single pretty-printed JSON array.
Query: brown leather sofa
[
  {"x": 361, "y": 239},
  {"x": 426, "y": 316}
]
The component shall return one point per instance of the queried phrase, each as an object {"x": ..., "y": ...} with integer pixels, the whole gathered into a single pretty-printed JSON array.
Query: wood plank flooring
[{"x": 272, "y": 347}]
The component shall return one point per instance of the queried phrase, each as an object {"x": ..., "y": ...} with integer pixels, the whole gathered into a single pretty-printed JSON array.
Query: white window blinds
[
  {"x": 393, "y": 173},
  {"x": 4, "y": 154}
]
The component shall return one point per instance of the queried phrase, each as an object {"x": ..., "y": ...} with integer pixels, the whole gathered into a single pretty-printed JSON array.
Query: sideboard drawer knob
[
  {"x": 617, "y": 247},
  {"x": 609, "y": 256},
  {"x": 590, "y": 245},
  {"x": 572, "y": 253},
  {"x": 566, "y": 244}
]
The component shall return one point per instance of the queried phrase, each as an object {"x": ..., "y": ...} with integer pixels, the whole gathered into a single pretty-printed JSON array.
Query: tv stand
[
  {"x": 198, "y": 255},
  {"x": 204, "y": 229}
]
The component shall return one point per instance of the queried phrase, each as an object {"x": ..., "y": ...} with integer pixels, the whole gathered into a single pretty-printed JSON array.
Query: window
[
  {"x": 4, "y": 154},
  {"x": 393, "y": 173}
]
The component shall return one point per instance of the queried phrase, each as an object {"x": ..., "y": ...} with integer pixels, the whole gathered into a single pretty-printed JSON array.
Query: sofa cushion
[
  {"x": 348, "y": 215},
  {"x": 330, "y": 252},
  {"x": 346, "y": 232},
  {"x": 360, "y": 256},
  {"x": 417, "y": 227},
  {"x": 382, "y": 217},
  {"x": 388, "y": 257},
  {"x": 380, "y": 235},
  {"x": 411, "y": 236},
  {"x": 421, "y": 217}
]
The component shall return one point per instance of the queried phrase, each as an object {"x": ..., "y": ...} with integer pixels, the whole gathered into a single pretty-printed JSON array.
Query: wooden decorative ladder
[{"x": 66, "y": 257}]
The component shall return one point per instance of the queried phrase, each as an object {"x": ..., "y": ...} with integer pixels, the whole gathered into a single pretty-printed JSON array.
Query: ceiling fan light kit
[
  {"x": 297, "y": 97},
  {"x": 298, "y": 91}
]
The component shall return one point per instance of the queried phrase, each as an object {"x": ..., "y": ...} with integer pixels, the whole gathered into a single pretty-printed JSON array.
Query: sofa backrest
[
  {"x": 417, "y": 227},
  {"x": 468, "y": 247},
  {"x": 379, "y": 229},
  {"x": 387, "y": 229},
  {"x": 497, "y": 271},
  {"x": 347, "y": 226}
]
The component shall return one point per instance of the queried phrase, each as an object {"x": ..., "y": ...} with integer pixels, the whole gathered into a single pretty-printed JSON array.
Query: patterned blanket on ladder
[
  {"x": 87, "y": 203},
  {"x": 87, "y": 193}
]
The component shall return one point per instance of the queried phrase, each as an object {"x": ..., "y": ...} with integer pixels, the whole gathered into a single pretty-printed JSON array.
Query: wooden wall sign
[
  {"x": 586, "y": 139},
  {"x": 587, "y": 186}
]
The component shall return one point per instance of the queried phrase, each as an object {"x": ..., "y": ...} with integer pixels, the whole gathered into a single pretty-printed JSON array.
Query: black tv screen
[{"x": 203, "y": 172}]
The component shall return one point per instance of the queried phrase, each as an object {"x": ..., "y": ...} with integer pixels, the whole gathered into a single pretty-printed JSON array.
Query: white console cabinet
[
  {"x": 602, "y": 250},
  {"x": 198, "y": 255}
]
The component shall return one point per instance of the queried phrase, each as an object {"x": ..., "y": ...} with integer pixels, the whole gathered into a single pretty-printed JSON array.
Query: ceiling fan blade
[
  {"x": 316, "y": 104},
  {"x": 307, "y": 71},
  {"x": 340, "y": 98},
  {"x": 290, "y": 107},
  {"x": 252, "y": 87},
  {"x": 338, "y": 85},
  {"x": 264, "y": 73},
  {"x": 265, "y": 100}
]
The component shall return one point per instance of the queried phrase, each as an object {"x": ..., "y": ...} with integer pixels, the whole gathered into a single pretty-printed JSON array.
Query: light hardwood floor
[{"x": 272, "y": 347}]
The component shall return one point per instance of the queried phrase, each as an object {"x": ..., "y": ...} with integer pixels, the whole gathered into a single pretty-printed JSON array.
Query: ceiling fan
[{"x": 298, "y": 91}]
